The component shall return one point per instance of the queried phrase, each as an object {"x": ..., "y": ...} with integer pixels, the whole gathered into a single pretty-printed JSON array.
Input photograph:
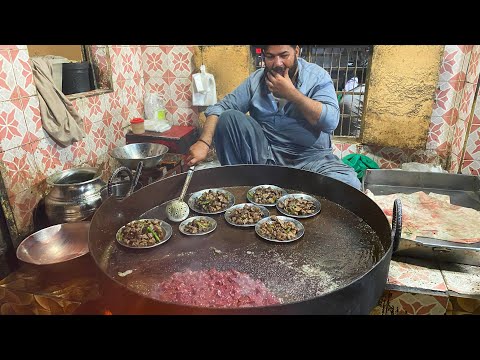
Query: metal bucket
[{"x": 75, "y": 195}]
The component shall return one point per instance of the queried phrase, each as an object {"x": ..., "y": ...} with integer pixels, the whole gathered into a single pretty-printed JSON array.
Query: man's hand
[
  {"x": 198, "y": 152},
  {"x": 280, "y": 86}
]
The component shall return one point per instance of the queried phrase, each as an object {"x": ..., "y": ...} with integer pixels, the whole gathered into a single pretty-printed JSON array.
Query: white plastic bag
[
  {"x": 157, "y": 125},
  {"x": 204, "y": 90},
  {"x": 154, "y": 107}
]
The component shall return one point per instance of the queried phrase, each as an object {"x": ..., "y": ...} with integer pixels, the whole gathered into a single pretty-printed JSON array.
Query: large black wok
[{"x": 339, "y": 266}]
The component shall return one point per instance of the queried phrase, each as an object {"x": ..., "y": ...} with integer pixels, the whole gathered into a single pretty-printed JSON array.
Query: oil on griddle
[{"x": 336, "y": 247}]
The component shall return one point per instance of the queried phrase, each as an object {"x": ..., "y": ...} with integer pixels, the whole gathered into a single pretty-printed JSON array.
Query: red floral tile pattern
[
  {"x": 418, "y": 304},
  {"x": 459, "y": 133},
  {"x": 13, "y": 47},
  {"x": 94, "y": 108},
  {"x": 472, "y": 151},
  {"x": 471, "y": 167},
  {"x": 24, "y": 204},
  {"x": 13, "y": 129},
  {"x": 114, "y": 102},
  {"x": 466, "y": 101},
  {"x": 392, "y": 158},
  {"x": 31, "y": 112},
  {"x": 159, "y": 86},
  {"x": 79, "y": 152},
  {"x": 343, "y": 149},
  {"x": 426, "y": 157},
  {"x": 186, "y": 117},
  {"x": 444, "y": 99},
  {"x": 154, "y": 61},
  {"x": 454, "y": 163},
  {"x": 181, "y": 92},
  {"x": 451, "y": 63},
  {"x": 50, "y": 157},
  {"x": 23, "y": 73},
  {"x": 438, "y": 134},
  {"x": 473, "y": 66},
  {"x": 7, "y": 78},
  {"x": 180, "y": 59},
  {"x": 337, "y": 149},
  {"x": 99, "y": 138},
  {"x": 18, "y": 169}
]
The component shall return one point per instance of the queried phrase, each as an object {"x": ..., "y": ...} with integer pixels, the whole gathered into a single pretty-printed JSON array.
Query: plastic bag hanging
[
  {"x": 154, "y": 107},
  {"x": 204, "y": 90}
]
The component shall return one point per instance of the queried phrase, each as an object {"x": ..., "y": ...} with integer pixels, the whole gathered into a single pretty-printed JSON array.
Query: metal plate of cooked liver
[
  {"x": 299, "y": 205},
  {"x": 265, "y": 195},
  {"x": 245, "y": 215},
  {"x": 211, "y": 201},
  {"x": 144, "y": 233},
  {"x": 279, "y": 229}
]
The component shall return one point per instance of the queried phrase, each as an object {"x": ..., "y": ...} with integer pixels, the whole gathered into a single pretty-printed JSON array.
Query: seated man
[{"x": 293, "y": 110}]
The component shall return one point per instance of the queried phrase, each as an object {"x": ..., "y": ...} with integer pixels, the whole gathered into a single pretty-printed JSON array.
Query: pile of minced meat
[{"x": 213, "y": 288}]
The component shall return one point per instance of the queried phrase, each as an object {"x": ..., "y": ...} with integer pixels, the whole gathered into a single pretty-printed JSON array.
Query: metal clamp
[
  {"x": 138, "y": 171},
  {"x": 115, "y": 174},
  {"x": 396, "y": 223}
]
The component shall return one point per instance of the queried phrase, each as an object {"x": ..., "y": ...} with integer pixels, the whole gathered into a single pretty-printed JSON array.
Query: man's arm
[
  {"x": 199, "y": 150},
  {"x": 238, "y": 99},
  {"x": 311, "y": 109}
]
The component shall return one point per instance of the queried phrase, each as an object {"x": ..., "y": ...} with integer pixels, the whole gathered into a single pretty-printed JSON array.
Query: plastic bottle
[
  {"x": 137, "y": 125},
  {"x": 160, "y": 112}
]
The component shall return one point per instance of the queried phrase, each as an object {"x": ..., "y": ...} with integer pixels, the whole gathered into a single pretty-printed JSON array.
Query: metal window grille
[{"x": 347, "y": 66}]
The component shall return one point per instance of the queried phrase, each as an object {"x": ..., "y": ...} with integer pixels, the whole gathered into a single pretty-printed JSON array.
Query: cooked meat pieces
[
  {"x": 246, "y": 215},
  {"x": 212, "y": 201},
  {"x": 215, "y": 289},
  {"x": 266, "y": 195},
  {"x": 298, "y": 206},
  {"x": 278, "y": 229},
  {"x": 141, "y": 233},
  {"x": 198, "y": 226}
]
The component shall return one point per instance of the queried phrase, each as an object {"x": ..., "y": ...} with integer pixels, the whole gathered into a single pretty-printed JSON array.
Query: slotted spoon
[{"x": 178, "y": 210}]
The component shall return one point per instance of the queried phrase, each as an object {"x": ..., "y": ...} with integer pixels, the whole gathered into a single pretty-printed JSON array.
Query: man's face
[{"x": 280, "y": 57}]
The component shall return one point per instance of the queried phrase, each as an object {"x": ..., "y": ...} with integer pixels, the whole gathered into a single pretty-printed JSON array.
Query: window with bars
[{"x": 347, "y": 66}]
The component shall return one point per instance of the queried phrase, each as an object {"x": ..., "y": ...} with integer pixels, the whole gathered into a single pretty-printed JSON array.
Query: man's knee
[
  {"x": 230, "y": 115},
  {"x": 353, "y": 181},
  {"x": 230, "y": 119}
]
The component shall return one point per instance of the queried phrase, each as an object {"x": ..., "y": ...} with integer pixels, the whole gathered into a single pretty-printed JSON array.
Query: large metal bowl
[
  {"x": 55, "y": 244},
  {"x": 130, "y": 155}
]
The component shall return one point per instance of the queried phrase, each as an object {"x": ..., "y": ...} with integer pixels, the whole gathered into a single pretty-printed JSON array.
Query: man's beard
[{"x": 291, "y": 72}]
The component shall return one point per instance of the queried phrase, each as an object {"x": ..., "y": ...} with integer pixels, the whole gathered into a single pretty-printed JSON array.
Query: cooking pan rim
[{"x": 373, "y": 268}]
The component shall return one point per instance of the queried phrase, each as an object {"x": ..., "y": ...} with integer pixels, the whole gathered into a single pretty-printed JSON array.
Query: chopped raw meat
[{"x": 213, "y": 288}]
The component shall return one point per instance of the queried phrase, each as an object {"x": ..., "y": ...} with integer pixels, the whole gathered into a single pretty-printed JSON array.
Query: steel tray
[{"x": 464, "y": 190}]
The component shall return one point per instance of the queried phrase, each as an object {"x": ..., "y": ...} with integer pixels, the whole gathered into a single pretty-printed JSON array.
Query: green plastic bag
[{"x": 360, "y": 163}]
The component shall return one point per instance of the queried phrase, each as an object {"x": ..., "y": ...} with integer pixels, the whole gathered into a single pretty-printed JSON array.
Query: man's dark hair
[{"x": 264, "y": 47}]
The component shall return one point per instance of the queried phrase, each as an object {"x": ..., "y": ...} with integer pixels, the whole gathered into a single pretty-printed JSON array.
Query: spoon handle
[{"x": 187, "y": 182}]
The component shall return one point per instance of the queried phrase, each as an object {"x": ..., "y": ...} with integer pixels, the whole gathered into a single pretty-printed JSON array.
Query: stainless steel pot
[{"x": 75, "y": 195}]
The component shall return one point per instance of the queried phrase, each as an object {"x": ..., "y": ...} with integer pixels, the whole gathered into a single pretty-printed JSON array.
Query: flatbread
[{"x": 432, "y": 216}]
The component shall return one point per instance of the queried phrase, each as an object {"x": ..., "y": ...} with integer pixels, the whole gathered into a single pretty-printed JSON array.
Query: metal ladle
[{"x": 178, "y": 210}]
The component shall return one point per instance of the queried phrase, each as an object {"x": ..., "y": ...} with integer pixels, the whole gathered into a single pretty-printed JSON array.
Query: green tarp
[{"x": 360, "y": 163}]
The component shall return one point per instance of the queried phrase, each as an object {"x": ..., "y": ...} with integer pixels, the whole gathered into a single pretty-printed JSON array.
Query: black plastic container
[{"x": 76, "y": 77}]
